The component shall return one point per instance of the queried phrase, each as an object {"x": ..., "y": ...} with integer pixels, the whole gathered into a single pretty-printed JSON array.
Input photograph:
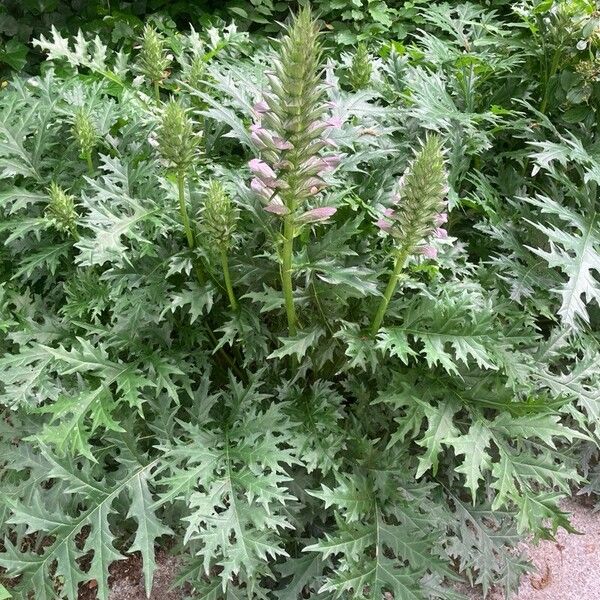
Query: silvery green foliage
[{"x": 142, "y": 406}]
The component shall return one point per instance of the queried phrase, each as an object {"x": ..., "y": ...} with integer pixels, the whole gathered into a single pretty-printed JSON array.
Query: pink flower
[
  {"x": 335, "y": 122},
  {"x": 262, "y": 170},
  {"x": 261, "y": 107},
  {"x": 384, "y": 225},
  {"x": 440, "y": 219},
  {"x": 281, "y": 144},
  {"x": 389, "y": 212},
  {"x": 331, "y": 162},
  {"x": 317, "y": 214},
  {"x": 277, "y": 208},
  {"x": 314, "y": 185},
  {"x": 428, "y": 252},
  {"x": 440, "y": 232},
  {"x": 256, "y": 185}
]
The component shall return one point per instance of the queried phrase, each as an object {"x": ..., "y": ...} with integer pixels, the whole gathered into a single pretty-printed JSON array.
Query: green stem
[
  {"x": 286, "y": 273},
  {"x": 401, "y": 257},
  {"x": 548, "y": 77},
  {"x": 90, "y": 163},
  {"x": 232, "y": 301},
  {"x": 183, "y": 210},
  {"x": 157, "y": 91}
]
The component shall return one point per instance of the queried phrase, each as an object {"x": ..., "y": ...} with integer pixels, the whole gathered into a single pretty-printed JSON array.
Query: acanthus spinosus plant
[
  {"x": 147, "y": 393},
  {"x": 290, "y": 135}
]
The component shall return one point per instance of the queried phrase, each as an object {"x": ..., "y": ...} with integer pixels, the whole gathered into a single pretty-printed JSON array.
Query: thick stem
[
  {"x": 286, "y": 273},
  {"x": 224, "y": 263},
  {"x": 401, "y": 257},
  {"x": 90, "y": 163},
  {"x": 157, "y": 91},
  {"x": 183, "y": 209},
  {"x": 548, "y": 76}
]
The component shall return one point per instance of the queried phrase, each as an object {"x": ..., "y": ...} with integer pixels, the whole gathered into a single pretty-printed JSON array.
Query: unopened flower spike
[
  {"x": 291, "y": 139},
  {"x": 178, "y": 144},
  {"x": 61, "y": 211},
  {"x": 86, "y": 135},
  {"x": 361, "y": 68},
  {"x": 417, "y": 214},
  {"x": 153, "y": 60},
  {"x": 218, "y": 224}
]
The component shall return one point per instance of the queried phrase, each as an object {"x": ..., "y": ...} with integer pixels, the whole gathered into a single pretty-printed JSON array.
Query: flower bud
[
  {"x": 419, "y": 207},
  {"x": 197, "y": 72},
  {"x": 317, "y": 215},
  {"x": 218, "y": 216},
  {"x": 61, "y": 210},
  {"x": 361, "y": 68},
  {"x": 177, "y": 141},
  {"x": 153, "y": 60},
  {"x": 84, "y": 132}
]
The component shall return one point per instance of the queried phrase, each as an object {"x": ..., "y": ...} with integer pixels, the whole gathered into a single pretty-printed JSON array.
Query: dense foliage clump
[{"x": 323, "y": 323}]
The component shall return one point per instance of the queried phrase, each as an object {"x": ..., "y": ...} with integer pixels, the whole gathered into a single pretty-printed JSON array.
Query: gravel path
[{"x": 568, "y": 569}]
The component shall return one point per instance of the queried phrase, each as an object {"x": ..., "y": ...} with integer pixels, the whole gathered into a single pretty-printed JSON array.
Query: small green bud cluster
[
  {"x": 177, "y": 142},
  {"x": 361, "y": 68},
  {"x": 196, "y": 72},
  {"x": 418, "y": 208},
  {"x": 61, "y": 210},
  {"x": 84, "y": 132},
  {"x": 218, "y": 216},
  {"x": 153, "y": 60}
]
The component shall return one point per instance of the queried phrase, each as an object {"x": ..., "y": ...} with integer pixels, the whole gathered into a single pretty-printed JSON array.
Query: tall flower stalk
[
  {"x": 417, "y": 215},
  {"x": 290, "y": 134},
  {"x": 218, "y": 224},
  {"x": 178, "y": 144}
]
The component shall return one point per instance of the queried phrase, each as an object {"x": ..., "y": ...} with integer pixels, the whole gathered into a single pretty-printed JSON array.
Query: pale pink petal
[
  {"x": 331, "y": 162},
  {"x": 428, "y": 252},
  {"x": 317, "y": 214},
  {"x": 440, "y": 219},
  {"x": 440, "y": 232},
  {"x": 389, "y": 212},
  {"x": 261, "y": 107},
  {"x": 281, "y": 144},
  {"x": 277, "y": 208},
  {"x": 384, "y": 225},
  {"x": 261, "y": 169},
  {"x": 256, "y": 185},
  {"x": 335, "y": 122}
]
